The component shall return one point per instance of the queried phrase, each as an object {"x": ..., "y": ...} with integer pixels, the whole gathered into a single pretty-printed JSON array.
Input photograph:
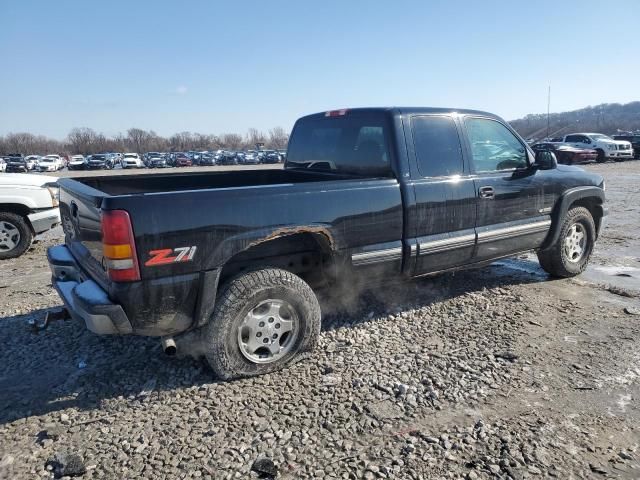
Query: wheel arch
[
  {"x": 300, "y": 250},
  {"x": 591, "y": 198}
]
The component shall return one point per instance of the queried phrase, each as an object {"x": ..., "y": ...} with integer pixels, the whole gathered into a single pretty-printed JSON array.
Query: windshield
[
  {"x": 599, "y": 136},
  {"x": 130, "y": 155},
  {"x": 99, "y": 157},
  {"x": 355, "y": 143}
]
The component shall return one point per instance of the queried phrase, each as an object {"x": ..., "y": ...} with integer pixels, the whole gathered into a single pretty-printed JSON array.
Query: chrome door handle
[{"x": 487, "y": 192}]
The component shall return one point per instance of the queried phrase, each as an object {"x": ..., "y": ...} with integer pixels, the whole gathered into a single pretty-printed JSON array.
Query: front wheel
[
  {"x": 570, "y": 254},
  {"x": 263, "y": 321},
  {"x": 15, "y": 235},
  {"x": 600, "y": 158}
]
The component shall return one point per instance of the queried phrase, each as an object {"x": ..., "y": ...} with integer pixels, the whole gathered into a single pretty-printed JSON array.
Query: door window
[
  {"x": 437, "y": 146},
  {"x": 493, "y": 146}
]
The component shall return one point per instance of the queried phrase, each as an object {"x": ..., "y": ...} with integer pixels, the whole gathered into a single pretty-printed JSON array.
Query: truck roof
[{"x": 403, "y": 110}]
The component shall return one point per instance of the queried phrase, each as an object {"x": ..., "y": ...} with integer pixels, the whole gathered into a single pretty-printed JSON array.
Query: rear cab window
[
  {"x": 352, "y": 143},
  {"x": 437, "y": 146}
]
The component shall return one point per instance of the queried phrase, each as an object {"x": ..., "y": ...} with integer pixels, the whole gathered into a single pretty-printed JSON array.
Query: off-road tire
[
  {"x": 554, "y": 260},
  {"x": 600, "y": 158},
  {"x": 240, "y": 295},
  {"x": 26, "y": 235}
]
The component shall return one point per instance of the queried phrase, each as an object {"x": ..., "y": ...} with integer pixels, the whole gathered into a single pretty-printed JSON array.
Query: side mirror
[{"x": 545, "y": 160}]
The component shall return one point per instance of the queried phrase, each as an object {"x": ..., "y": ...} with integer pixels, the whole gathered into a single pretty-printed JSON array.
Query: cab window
[
  {"x": 493, "y": 146},
  {"x": 437, "y": 146}
]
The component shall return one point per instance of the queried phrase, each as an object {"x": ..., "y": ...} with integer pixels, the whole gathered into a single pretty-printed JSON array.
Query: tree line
[{"x": 87, "y": 141}]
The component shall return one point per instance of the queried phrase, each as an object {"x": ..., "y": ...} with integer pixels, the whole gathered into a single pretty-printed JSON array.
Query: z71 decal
[{"x": 168, "y": 255}]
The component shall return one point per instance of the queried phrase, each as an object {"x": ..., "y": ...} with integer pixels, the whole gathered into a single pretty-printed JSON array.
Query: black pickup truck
[{"x": 224, "y": 264}]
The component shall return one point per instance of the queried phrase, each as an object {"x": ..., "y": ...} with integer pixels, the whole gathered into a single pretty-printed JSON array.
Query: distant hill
[{"x": 607, "y": 118}]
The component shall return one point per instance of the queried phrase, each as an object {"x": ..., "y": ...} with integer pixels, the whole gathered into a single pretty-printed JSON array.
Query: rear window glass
[
  {"x": 437, "y": 145},
  {"x": 355, "y": 143}
]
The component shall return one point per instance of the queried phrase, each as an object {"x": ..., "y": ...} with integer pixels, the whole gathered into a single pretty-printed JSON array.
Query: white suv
[
  {"x": 50, "y": 163},
  {"x": 132, "y": 160},
  {"x": 607, "y": 147}
]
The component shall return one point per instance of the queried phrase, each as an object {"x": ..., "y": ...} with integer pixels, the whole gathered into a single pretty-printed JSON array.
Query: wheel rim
[
  {"x": 9, "y": 236},
  {"x": 575, "y": 242},
  {"x": 268, "y": 331}
]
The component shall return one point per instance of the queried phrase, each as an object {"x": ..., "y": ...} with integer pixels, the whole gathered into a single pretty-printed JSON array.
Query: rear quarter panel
[{"x": 223, "y": 222}]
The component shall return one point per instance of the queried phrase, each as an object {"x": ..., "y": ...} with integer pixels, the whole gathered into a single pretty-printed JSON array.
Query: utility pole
[{"x": 548, "y": 108}]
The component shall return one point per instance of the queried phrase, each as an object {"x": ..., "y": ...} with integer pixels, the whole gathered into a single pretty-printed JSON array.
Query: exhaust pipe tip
[{"x": 169, "y": 346}]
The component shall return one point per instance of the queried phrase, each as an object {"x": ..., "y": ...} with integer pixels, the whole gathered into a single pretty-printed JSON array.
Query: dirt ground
[{"x": 498, "y": 372}]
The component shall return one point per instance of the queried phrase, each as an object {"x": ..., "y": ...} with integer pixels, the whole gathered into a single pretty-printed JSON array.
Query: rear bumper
[
  {"x": 84, "y": 299},
  {"x": 45, "y": 220},
  {"x": 153, "y": 307}
]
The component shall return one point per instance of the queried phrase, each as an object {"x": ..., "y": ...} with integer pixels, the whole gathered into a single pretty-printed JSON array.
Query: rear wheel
[
  {"x": 570, "y": 254},
  {"x": 15, "y": 235},
  {"x": 263, "y": 321},
  {"x": 600, "y": 158}
]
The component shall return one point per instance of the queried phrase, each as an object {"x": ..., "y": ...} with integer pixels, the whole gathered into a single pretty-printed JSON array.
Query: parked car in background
[
  {"x": 16, "y": 163},
  {"x": 566, "y": 154},
  {"x": 131, "y": 160},
  {"x": 207, "y": 159},
  {"x": 634, "y": 139},
  {"x": 157, "y": 160},
  {"x": 77, "y": 162},
  {"x": 28, "y": 206},
  {"x": 182, "y": 160},
  {"x": 271, "y": 156},
  {"x": 3, "y": 165},
  {"x": 250, "y": 158},
  {"x": 606, "y": 147},
  {"x": 283, "y": 155},
  {"x": 32, "y": 161},
  {"x": 224, "y": 157},
  {"x": 100, "y": 161},
  {"x": 50, "y": 163}
]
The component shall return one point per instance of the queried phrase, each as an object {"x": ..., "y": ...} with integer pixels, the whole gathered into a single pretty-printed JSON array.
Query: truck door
[
  {"x": 578, "y": 141},
  {"x": 512, "y": 215},
  {"x": 444, "y": 214}
]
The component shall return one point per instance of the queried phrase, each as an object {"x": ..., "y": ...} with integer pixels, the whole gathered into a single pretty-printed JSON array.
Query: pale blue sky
[{"x": 215, "y": 66}]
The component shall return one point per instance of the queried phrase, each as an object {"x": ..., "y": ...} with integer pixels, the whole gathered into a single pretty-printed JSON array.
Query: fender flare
[{"x": 564, "y": 203}]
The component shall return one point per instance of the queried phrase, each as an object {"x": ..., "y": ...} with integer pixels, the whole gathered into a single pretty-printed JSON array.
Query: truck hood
[{"x": 22, "y": 179}]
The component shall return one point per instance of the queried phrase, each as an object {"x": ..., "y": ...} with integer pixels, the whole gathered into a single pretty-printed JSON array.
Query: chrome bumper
[
  {"x": 85, "y": 299},
  {"x": 45, "y": 220}
]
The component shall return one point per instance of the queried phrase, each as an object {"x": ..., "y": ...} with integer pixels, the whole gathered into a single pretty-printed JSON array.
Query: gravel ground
[{"x": 498, "y": 372}]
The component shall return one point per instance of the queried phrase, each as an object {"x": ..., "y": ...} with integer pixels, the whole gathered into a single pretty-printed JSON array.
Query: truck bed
[{"x": 173, "y": 182}]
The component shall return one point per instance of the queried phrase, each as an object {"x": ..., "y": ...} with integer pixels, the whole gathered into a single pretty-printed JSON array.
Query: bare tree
[
  {"x": 138, "y": 140},
  {"x": 82, "y": 140},
  {"x": 255, "y": 137},
  {"x": 232, "y": 141},
  {"x": 278, "y": 138}
]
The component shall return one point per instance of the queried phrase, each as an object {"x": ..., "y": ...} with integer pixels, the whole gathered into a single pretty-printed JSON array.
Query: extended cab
[
  {"x": 28, "y": 206},
  {"x": 224, "y": 264},
  {"x": 607, "y": 147}
]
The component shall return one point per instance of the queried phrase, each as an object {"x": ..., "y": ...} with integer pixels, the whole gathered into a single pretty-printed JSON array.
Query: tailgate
[{"x": 80, "y": 213}]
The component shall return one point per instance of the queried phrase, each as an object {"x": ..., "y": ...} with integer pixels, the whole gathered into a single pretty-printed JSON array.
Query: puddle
[
  {"x": 624, "y": 277},
  {"x": 528, "y": 265}
]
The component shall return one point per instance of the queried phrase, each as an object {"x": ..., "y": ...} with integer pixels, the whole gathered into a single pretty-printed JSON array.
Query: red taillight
[
  {"x": 118, "y": 246},
  {"x": 336, "y": 113}
]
